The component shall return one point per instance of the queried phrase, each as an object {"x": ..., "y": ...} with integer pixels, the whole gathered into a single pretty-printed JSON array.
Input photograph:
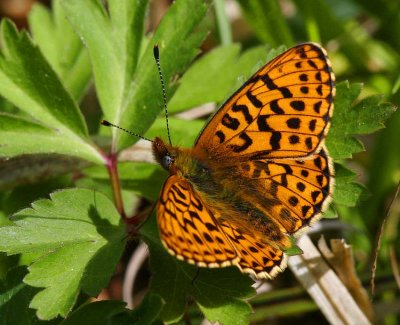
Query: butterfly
[{"x": 258, "y": 174}]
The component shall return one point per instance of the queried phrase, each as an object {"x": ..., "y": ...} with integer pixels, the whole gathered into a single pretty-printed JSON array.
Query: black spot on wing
[
  {"x": 303, "y": 77},
  {"x": 275, "y": 140},
  {"x": 262, "y": 123},
  {"x": 269, "y": 82},
  {"x": 210, "y": 226},
  {"x": 293, "y": 139},
  {"x": 315, "y": 195},
  {"x": 293, "y": 123},
  {"x": 318, "y": 162},
  {"x": 247, "y": 142},
  {"x": 304, "y": 89},
  {"x": 276, "y": 108},
  {"x": 298, "y": 105},
  {"x": 245, "y": 111},
  {"x": 309, "y": 143},
  {"x": 302, "y": 53},
  {"x": 221, "y": 136},
  {"x": 284, "y": 180},
  {"x": 317, "y": 107},
  {"x": 197, "y": 238},
  {"x": 207, "y": 237},
  {"x": 304, "y": 210},
  {"x": 300, "y": 186},
  {"x": 254, "y": 100},
  {"x": 286, "y": 93},
  {"x": 288, "y": 169},
  {"x": 319, "y": 90},
  {"x": 293, "y": 201},
  {"x": 230, "y": 122},
  {"x": 312, "y": 64},
  {"x": 312, "y": 125},
  {"x": 179, "y": 192}
]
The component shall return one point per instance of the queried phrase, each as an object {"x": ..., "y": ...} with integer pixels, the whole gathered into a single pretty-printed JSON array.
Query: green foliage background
[{"x": 60, "y": 232}]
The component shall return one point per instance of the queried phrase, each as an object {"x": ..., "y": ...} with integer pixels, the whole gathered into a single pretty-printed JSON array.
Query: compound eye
[{"x": 167, "y": 161}]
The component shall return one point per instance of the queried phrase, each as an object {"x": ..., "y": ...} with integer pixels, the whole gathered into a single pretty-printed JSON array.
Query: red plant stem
[{"x": 112, "y": 167}]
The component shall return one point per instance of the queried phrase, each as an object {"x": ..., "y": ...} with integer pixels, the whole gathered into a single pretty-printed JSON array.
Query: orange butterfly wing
[
  {"x": 257, "y": 257},
  {"x": 282, "y": 111},
  {"x": 192, "y": 232},
  {"x": 189, "y": 229},
  {"x": 298, "y": 189}
]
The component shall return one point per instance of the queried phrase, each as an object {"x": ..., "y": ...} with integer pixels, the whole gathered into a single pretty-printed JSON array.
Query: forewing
[
  {"x": 282, "y": 111},
  {"x": 188, "y": 229},
  {"x": 300, "y": 189}
]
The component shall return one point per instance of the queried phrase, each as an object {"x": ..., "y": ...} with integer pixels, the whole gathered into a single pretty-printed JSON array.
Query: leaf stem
[
  {"x": 224, "y": 28},
  {"x": 312, "y": 29},
  {"x": 115, "y": 185}
]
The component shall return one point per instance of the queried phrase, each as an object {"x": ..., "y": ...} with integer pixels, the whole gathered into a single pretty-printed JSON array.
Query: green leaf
[
  {"x": 339, "y": 141},
  {"x": 113, "y": 41},
  {"x": 370, "y": 114},
  {"x": 130, "y": 200},
  {"x": 217, "y": 75},
  {"x": 78, "y": 234},
  {"x": 148, "y": 311},
  {"x": 207, "y": 80},
  {"x": 178, "y": 45},
  {"x": 29, "y": 169},
  {"x": 384, "y": 172},
  {"x": 99, "y": 313},
  {"x": 128, "y": 18},
  {"x": 219, "y": 293},
  {"x": 19, "y": 136},
  {"x": 29, "y": 82},
  {"x": 183, "y": 132},
  {"x": 114, "y": 312},
  {"x": 331, "y": 213},
  {"x": 14, "y": 300},
  {"x": 126, "y": 89},
  {"x": 233, "y": 312},
  {"x": 61, "y": 46},
  {"x": 365, "y": 117},
  {"x": 325, "y": 21},
  {"x": 251, "y": 60},
  {"x": 142, "y": 178},
  {"x": 21, "y": 197},
  {"x": 267, "y": 21},
  {"x": 347, "y": 191},
  {"x": 294, "y": 250}
]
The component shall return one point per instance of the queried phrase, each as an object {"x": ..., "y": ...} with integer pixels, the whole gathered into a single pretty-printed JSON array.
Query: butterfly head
[
  {"x": 188, "y": 163},
  {"x": 164, "y": 154}
]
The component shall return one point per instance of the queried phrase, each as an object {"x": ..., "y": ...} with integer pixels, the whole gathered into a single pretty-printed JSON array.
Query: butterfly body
[{"x": 258, "y": 173}]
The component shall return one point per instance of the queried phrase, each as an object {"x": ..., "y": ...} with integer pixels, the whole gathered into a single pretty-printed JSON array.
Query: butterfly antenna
[
  {"x": 106, "y": 123},
  {"x": 156, "y": 54}
]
